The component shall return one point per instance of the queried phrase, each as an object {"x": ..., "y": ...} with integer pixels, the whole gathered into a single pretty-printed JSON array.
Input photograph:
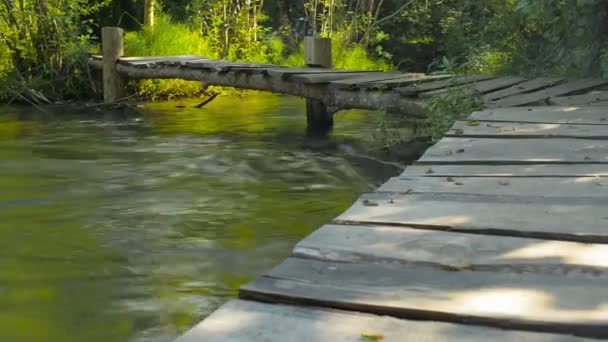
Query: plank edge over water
[
  {"x": 241, "y": 321},
  {"x": 452, "y": 250},
  {"x": 419, "y": 292}
]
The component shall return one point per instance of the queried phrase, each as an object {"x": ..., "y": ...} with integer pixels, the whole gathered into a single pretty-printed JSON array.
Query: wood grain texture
[
  {"x": 578, "y": 100},
  {"x": 158, "y": 61},
  {"x": 356, "y": 82},
  {"x": 224, "y": 66},
  {"x": 449, "y": 250},
  {"x": 246, "y": 321},
  {"x": 183, "y": 62},
  {"x": 536, "y": 170},
  {"x": 334, "y": 98},
  {"x": 286, "y": 72},
  {"x": 428, "y": 86},
  {"x": 480, "y": 87},
  {"x": 547, "y": 187},
  {"x": 544, "y": 94},
  {"x": 557, "y": 300},
  {"x": 330, "y": 77},
  {"x": 516, "y": 151},
  {"x": 114, "y": 83},
  {"x": 530, "y": 214},
  {"x": 599, "y": 104},
  {"x": 407, "y": 79},
  {"x": 546, "y": 114},
  {"x": 125, "y": 60},
  {"x": 528, "y": 86},
  {"x": 526, "y": 130}
]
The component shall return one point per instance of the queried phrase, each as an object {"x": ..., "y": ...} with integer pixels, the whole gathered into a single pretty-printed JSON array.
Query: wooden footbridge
[
  {"x": 499, "y": 232},
  {"x": 345, "y": 89}
]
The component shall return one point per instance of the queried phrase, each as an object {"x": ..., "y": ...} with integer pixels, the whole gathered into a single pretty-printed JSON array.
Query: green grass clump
[{"x": 167, "y": 38}]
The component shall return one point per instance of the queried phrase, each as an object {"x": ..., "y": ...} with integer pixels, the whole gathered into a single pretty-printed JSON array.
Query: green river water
[{"x": 118, "y": 227}]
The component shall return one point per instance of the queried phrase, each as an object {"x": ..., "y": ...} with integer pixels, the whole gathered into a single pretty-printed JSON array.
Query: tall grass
[{"x": 167, "y": 38}]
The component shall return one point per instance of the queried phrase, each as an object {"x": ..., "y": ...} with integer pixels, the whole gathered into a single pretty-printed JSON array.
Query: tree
[{"x": 149, "y": 12}]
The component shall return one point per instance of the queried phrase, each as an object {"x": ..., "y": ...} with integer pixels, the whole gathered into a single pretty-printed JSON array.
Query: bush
[
  {"x": 43, "y": 49},
  {"x": 456, "y": 103}
]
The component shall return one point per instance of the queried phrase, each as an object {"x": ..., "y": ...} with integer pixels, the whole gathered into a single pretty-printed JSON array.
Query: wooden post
[
  {"x": 317, "y": 53},
  {"x": 112, "y": 50}
]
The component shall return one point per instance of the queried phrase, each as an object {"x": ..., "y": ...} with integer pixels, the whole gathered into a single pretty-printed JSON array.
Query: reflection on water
[{"x": 120, "y": 228}]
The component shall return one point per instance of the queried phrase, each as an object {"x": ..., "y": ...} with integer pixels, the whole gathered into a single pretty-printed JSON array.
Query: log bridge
[
  {"x": 329, "y": 90},
  {"x": 499, "y": 232}
]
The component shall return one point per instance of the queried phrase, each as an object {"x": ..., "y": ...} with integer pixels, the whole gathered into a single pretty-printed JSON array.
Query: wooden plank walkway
[
  {"x": 498, "y": 232},
  {"x": 344, "y": 89}
]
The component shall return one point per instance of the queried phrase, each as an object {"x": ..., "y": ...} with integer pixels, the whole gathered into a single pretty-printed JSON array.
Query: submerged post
[
  {"x": 112, "y": 50},
  {"x": 317, "y": 53}
]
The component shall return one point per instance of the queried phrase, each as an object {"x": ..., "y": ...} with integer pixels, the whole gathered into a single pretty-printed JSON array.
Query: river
[{"x": 122, "y": 227}]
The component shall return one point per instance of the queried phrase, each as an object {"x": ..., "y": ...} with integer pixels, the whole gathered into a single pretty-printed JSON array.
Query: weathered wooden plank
[
  {"x": 536, "y": 170},
  {"x": 330, "y": 77},
  {"x": 424, "y": 87},
  {"x": 224, "y": 66},
  {"x": 545, "y": 114},
  {"x": 355, "y": 82},
  {"x": 208, "y": 64},
  {"x": 142, "y": 63},
  {"x": 480, "y": 87},
  {"x": 241, "y": 321},
  {"x": 599, "y": 104},
  {"x": 184, "y": 62},
  {"x": 245, "y": 66},
  {"x": 449, "y": 250},
  {"x": 559, "y": 299},
  {"x": 525, "y": 130},
  {"x": 532, "y": 215},
  {"x": 577, "y": 100},
  {"x": 544, "y": 94},
  {"x": 126, "y": 60},
  {"x": 528, "y": 86},
  {"x": 286, "y": 72},
  {"x": 253, "y": 70},
  {"x": 150, "y": 62},
  {"x": 547, "y": 187},
  {"x": 516, "y": 151},
  {"x": 407, "y": 79},
  {"x": 334, "y": 98}
]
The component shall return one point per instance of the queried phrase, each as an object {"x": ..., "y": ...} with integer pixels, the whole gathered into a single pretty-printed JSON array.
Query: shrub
[{"x": 456, "y": 103}]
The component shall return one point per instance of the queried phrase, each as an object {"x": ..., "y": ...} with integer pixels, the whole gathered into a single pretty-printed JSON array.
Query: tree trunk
[{"x": 149, "y": 12}]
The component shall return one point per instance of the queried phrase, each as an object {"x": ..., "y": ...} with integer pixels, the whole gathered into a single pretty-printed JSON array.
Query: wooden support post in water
[
  {"x": 112, "y": 50},
  {"x": 317, "y": 52}
]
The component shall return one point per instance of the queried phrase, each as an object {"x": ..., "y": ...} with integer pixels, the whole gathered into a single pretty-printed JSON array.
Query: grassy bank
[{"x": 167, "y": 38}]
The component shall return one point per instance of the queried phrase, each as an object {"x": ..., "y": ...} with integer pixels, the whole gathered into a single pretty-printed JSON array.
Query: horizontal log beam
[{"x": 337, "y": 99}]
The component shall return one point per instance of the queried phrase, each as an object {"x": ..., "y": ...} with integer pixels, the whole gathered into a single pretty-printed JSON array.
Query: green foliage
[
  {"x": 43, "y": 48},
  {"x": 394, "y": 129},
  {"x": 530, "y": 37},
  {"x": 43, "y": 43},
  {"x": 446, "y": 108},
  {"x": 354, "y": 56},
  {"x": 167, "y": 38}
]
